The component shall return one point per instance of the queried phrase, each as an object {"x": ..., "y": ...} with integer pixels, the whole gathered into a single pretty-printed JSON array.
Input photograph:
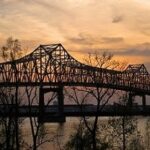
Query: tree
[
  {"x": 100, "y": 96},
  {"x": 123, "y": 131},
  {"x": 147, "y": 134},
  {"x": 136, "y": 142},
  {"x": 39, "y": 132},
  {"x": 9, "y": 97},
  {"x": 81, "y": 139},
  {"x": 11, "y": 50}
]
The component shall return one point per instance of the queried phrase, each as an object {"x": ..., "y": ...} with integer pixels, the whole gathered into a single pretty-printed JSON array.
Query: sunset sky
[{"x": 119, "y": 26}]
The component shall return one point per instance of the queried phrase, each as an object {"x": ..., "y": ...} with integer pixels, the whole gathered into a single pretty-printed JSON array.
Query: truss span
[{"x": 52, "y": 65}]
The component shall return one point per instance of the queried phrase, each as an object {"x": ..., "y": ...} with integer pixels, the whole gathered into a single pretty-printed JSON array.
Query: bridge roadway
[{"x": 75, "y": 111}]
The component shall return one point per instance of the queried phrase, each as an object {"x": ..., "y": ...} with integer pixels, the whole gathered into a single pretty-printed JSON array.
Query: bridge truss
[{"x": 51, "y": 65}]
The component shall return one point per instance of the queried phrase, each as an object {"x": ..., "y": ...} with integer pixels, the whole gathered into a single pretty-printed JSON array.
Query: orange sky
[{"x": 119, "y": 26}]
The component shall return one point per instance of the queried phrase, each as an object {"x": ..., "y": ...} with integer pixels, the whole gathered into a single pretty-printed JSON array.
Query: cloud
[
  {"x": 81, "y": 39},
  {"x": 85, "y": 26},
  {"x": 36, "y": 22},
  {"x": 51, "y": 7},
  {"x": 111, "y": 39},
  {"x": 117, "y": 19},
  {"x": 137, "y": 50}
]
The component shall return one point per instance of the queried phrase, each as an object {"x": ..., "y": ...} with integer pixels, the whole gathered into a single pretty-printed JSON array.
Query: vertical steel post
[
  {"x": 16, "y": 109},
  {"x": 41, "y": 104},
  {"x": 60, "y": 101},
  {"x": 130, "y": 100},
  {"x": 143, "y": 100},
  {"x": 16, "y": 119}
]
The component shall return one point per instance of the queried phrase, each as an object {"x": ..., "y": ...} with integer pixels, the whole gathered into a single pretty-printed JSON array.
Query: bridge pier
[
  {"x": 130, "y": 100},
  {"x": 60, "y": 100},
  {"x": 59, "y": 116},
  {"x": 41, "y": 104},
  {"x": 143, "y": 100}
]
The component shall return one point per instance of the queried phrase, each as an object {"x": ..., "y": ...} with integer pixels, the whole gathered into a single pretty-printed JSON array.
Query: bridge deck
[{"x": 76, "y": 111}]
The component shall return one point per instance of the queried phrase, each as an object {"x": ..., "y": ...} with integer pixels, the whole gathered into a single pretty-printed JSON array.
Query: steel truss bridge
[{"x": 51, "y": 67}]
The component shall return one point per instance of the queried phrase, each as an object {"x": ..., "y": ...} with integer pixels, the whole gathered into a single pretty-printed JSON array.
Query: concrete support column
[
  {"x": 130, "y": 100},
  {"x": 143, "y": 100},
  {"x": 60, "y": 101},
  {"x": 59, "y": 117},
  {"x": 41, "y": 104}
]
